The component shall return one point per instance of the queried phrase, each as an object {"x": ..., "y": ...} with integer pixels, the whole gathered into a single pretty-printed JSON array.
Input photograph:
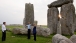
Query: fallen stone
[
  {"x": 63, "y": 41},
  {"x": 16, "y": 30},
  {"x": 8, "y": 29},
  {"x": 23, "y": 31},
  {"x": 40, "y": 31},
  {"x": 58, "y": 39},
  {"x": 73, "y": 38}
]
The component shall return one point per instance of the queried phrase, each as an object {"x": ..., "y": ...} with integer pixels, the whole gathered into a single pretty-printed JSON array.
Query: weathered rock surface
[
  {"x": 74, "y": 23},
  {"x": 40, "y": 31},
  {"x": 59, "y": 39},
  {"x": 45, "y": 32},
  {"x": 59, "y": 3},
  {"x": 52, "y": 19},
  {"x": 29, "y": 14},
  {"x": 63, "y": 41},
  {"x": 16, "y": 30},
  {"x": 23, "y": 31},
  {"x": 8, "y": 29},
  {"x": 36, "y": 22},
  {"x": 59, "y": 28},
  {"x": 67, "y": 20},
  {"x": 24, "y": 25},
  {"x": 73, "y": 38}
]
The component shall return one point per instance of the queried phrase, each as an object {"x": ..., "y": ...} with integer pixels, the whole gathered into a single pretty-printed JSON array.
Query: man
[
  {"x": 34, "y": 32},
  {"x": 3, "y": 31},
  {"x": 29, "y": 29}
]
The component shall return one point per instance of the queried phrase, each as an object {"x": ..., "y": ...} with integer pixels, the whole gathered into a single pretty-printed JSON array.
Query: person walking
[
  {"x": 3, "y": 31},
  {"x": 29, "y": 29},
  {"x": 34, "y": 32}
]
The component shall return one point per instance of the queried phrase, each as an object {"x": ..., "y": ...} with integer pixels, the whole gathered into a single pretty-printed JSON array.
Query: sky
[{"x": 12, "y": 11}]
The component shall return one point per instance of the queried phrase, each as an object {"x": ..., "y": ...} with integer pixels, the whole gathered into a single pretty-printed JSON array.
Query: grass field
[{"x": 23, "y": 38}]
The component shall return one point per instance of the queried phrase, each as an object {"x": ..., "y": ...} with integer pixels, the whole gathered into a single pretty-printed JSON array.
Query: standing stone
[
  {"x": 24, "y": 23},
  {"x": 52, "y": 19},
  {"x": 75, "y": 24},
  {"x": 59, "y": 28},
  {"x": 67, "y": 13},
  {"x": 73, "y": 27},
  {"x": 29, "y": 14},
  {"x": 36, "y": 22}
]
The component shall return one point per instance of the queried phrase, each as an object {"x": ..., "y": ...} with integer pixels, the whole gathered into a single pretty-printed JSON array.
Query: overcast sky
[{"x": 12, "y": 11}]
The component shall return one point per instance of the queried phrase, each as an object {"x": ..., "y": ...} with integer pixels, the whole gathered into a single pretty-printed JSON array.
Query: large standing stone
[
  {"x": 59, "y": 3},
  {"x": 59, "y": 38},
  {"x": 52, "y": 19},
  {"x": 73, "y": 38},
  {"x": 24, "y": 25},
  {"x": 75, "y": 23},
  {"x": 67, "y": 20},
  {"x": 29, "y": 14}
]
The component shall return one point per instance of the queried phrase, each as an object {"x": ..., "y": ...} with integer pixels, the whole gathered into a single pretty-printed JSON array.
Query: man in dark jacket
[{"x": 34, "y": 32}]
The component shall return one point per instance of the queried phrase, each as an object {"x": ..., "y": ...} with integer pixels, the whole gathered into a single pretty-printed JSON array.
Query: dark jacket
[{"x": 34, "y": 30}]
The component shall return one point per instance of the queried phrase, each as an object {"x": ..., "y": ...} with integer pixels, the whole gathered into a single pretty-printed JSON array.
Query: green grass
[
  {"x": 11, "y": 27},
  {"x": 23, "y": 38},
  {"x": 45, "y": 26}
]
